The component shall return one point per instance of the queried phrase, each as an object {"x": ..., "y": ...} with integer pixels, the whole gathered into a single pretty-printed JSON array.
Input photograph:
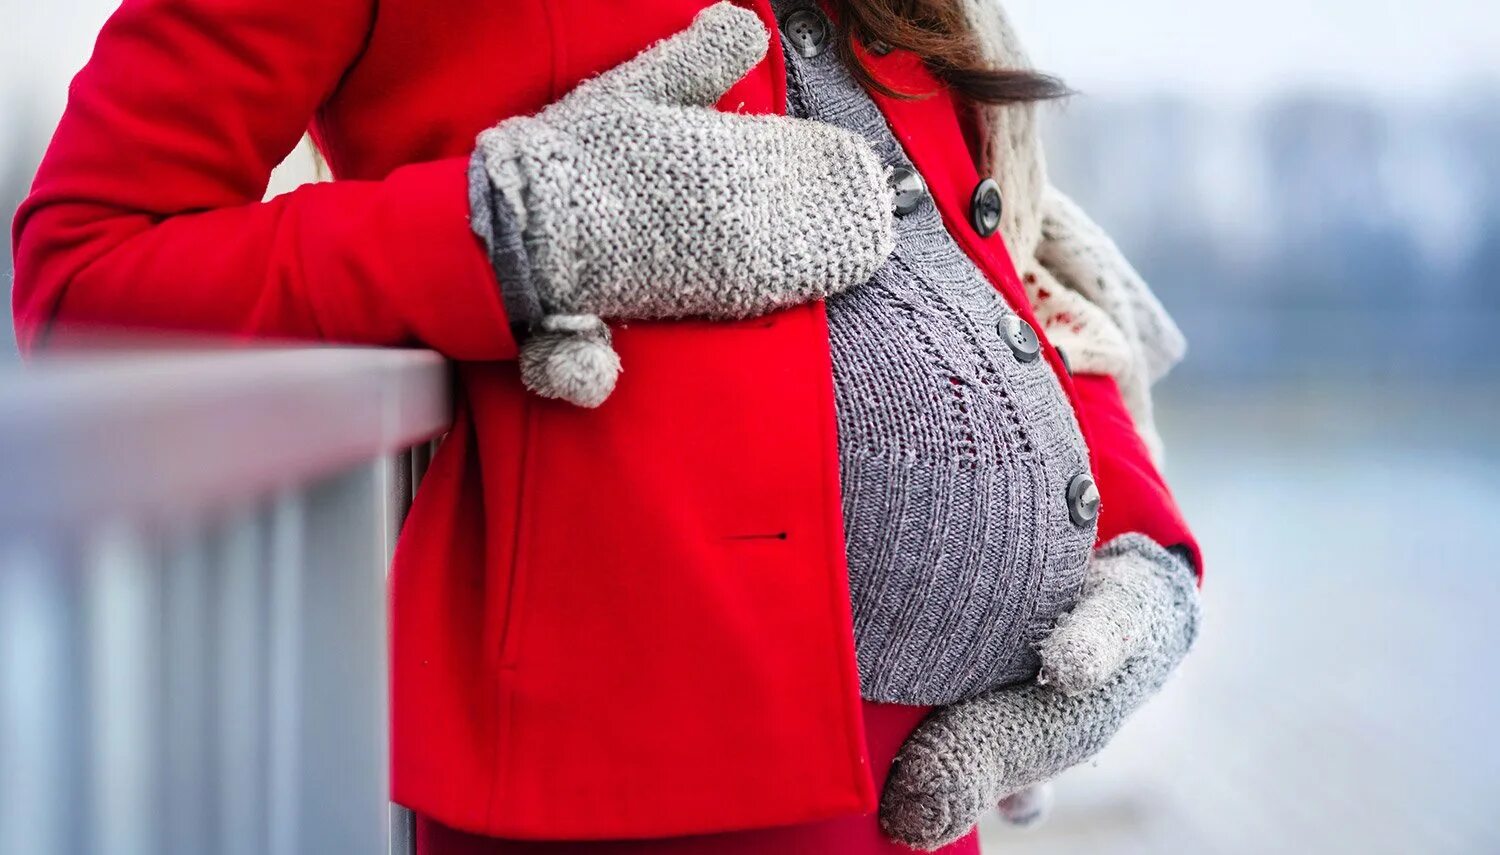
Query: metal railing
[{"x": 193, "y": 548}]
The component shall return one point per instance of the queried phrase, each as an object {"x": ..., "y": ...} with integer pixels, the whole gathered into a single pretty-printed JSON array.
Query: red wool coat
[{"x": 625, "y": 622}]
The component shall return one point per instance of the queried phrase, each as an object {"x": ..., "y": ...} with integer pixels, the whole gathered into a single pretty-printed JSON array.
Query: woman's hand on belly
[
  {"x": 1136, "y": 619},
  {"x": 632, "y": 198}
]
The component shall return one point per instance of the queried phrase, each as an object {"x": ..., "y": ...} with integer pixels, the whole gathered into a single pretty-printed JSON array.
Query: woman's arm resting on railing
[{"x": 146, "y": 213}]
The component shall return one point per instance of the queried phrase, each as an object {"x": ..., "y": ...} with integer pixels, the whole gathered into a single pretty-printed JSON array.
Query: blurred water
[{"x": 1342, "y": 693}]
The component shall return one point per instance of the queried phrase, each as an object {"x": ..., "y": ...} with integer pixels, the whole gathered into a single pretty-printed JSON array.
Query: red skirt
[{"x": 886, "y": 728}]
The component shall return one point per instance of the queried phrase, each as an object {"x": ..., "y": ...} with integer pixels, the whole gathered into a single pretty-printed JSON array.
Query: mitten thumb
[{"x": 698, "y": 65}]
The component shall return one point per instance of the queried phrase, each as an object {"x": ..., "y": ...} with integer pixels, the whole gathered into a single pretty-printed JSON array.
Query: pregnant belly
[{"x": 957, "y": 451}]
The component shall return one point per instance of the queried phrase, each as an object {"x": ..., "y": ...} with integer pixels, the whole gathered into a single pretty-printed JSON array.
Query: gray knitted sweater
[
  {"x": 956, "y": 453},
  {"x": 957, "y": 450}
]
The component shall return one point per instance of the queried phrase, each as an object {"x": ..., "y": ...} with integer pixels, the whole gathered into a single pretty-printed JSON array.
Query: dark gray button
[
  {"x": 807, "y": 32},
  {"x": 985, "y": 207},
  {"x": 909, "y": 188},
  {"x": 1021, "y": 338},
  {"x": 1083, "y": 500},
  {"x": 877, "y": 47}
]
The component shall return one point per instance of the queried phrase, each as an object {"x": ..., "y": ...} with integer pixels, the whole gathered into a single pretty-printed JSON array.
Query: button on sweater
[
  {"x": 969, "y": 513},
  {"x": 957, "y": 448}
]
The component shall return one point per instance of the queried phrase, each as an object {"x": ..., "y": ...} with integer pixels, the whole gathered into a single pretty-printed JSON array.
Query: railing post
[
  {"x": 404, "y": 474},
  {"x": 193, "y": 640},
  {"x": 42, "y": 696}
]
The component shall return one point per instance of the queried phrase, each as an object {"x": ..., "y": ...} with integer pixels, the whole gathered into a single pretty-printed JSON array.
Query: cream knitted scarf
[{"x": 1087, "y": 296}]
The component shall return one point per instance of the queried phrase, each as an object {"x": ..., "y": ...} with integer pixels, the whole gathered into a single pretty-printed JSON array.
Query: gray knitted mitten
[
  {"x": 634, "y": 198},
  {"x": 1135, "y": 621}
]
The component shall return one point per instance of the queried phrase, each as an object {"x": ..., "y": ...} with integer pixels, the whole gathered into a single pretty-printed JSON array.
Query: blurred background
[{"x": 1313, "y": 188}]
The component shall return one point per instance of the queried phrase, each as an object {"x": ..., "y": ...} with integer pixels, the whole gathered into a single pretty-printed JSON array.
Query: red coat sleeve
[
  {"x": 146, "y": 210},
  {"x": 1134, "y": 496}
]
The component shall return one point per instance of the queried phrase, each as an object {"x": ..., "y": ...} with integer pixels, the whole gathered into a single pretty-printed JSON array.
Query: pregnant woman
[{"x": 772, "y": 517}]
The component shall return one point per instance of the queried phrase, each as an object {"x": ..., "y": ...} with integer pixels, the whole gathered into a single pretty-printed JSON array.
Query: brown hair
[{"x": 940, "y": 33}]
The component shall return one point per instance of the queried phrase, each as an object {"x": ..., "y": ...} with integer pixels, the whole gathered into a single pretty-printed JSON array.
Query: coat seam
[{"x": 508, "y": 671}]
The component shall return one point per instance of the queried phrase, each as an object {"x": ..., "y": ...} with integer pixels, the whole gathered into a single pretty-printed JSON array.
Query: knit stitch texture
[
  {"x": 496, "y": 216},
  {"x": 1138, "y": 614},
  {"x": 637, "y": 200},
  {"x": 955, "y": 455}
]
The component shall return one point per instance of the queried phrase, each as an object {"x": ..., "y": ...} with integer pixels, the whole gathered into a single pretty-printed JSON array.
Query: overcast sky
[
  {"x": 1412, "y": 47},
  {"x": 1208, "y": 46}
]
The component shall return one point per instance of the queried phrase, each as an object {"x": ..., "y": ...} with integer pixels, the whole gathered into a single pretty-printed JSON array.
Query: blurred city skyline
[
  {"x": 1293, "y": 178},
  {"x": 1308, "y": 235}
]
